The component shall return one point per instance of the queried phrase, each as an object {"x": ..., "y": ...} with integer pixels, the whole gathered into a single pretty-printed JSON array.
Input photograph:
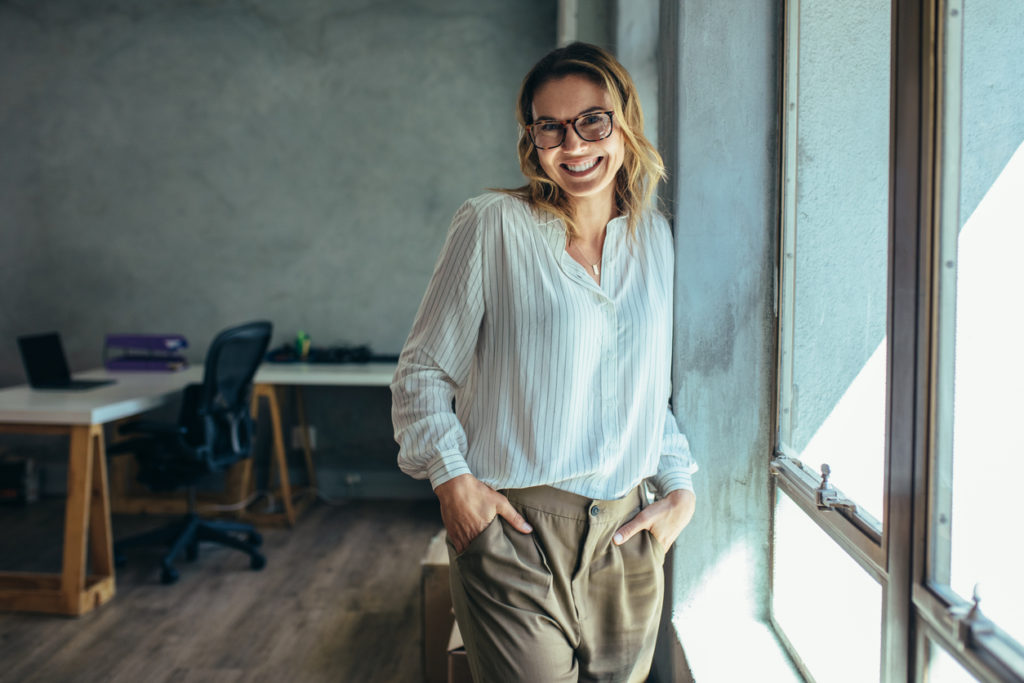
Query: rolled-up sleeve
[
  {"x": 676, "y": 465},
  {"x": 438, "y": 357}
]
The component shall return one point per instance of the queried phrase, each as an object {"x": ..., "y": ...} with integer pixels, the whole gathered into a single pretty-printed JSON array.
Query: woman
[{"x": 548, "y": 323}]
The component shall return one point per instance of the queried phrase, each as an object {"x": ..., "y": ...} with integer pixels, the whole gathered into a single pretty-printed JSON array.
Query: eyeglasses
[{"x": 592, "y": 126}]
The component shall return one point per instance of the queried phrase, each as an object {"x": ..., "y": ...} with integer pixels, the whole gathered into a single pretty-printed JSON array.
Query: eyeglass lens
[{"x": 590, "y": 127}]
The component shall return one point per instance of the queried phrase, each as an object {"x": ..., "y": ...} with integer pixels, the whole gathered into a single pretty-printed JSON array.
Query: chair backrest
[{"x": 217, "y": 420}]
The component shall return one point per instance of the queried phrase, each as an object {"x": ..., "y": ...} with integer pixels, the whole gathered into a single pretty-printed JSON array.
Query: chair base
[{"x": 187, "y": 533}]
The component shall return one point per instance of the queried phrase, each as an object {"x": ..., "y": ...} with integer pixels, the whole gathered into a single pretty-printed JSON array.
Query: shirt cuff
[
  {"x": 673, "y": 481},
  {"x": 445, "y": 467}
]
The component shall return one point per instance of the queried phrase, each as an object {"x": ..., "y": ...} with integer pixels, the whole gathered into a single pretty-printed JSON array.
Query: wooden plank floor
[{"x": 338, "y": 601}]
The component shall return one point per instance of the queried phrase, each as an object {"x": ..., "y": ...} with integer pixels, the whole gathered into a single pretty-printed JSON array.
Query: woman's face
[{"x": 584, "y": 170}]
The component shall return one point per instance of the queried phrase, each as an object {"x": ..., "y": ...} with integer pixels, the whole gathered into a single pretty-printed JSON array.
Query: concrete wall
[
  {"x": 182, "y": 166},
  {"x": 723, "y": 191},
  {"x": 636, "y": 27},
  {"x": 993, "y": 97}
]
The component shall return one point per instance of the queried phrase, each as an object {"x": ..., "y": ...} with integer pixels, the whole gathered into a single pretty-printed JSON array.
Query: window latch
[
  {"x": 827, "y": 497},
  {"x": 969, "y": 620}
]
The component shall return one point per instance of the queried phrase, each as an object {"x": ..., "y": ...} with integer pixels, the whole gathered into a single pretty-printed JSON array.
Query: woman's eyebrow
[{"x": 585, "y": 111}]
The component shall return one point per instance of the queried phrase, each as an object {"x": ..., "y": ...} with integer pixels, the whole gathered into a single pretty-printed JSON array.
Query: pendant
[{"x": 597, "y": 270}]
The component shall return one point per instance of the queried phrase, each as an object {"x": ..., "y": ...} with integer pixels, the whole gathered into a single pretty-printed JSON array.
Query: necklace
[{"x": 596, "y": 267}]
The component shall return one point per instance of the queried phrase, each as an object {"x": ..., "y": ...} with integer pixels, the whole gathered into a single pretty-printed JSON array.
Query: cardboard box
[
  {"x": 436, "y": 599},
  {"x": 458, "y": 665}
]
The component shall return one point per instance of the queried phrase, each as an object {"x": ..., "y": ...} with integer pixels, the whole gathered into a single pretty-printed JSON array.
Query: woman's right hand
[{"x": 468, "y": 506}]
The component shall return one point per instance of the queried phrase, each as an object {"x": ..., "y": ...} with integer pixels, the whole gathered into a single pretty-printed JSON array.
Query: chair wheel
[
  {"x": 254, "y": 539},
  {"x": 192, "y": 552},
  {"x": 257, "y": 561},
  {"x": 168, "y": 575}
]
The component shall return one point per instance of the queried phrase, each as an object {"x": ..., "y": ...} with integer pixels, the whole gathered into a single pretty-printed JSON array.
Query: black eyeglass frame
[{"x": 572, "y": 122}]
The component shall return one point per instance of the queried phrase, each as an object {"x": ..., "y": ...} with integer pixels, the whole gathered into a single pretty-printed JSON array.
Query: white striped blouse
[{"x": 555, "y": 379}]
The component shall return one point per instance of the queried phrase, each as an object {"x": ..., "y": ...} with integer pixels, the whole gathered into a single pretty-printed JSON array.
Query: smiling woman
[
  {"x": 595, "y": 82},
  {"x": 548, "y": 323},
  {"x": 583, "y": 166}
]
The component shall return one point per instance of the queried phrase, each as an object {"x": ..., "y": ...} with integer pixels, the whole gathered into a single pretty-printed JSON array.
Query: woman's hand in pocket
[
  {"x": 664, "y": 518},
  {"x": 468, "y": 506}
]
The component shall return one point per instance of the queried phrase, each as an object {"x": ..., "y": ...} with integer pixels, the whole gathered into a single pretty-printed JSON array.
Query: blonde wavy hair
[{"x": 642, "y": 167}]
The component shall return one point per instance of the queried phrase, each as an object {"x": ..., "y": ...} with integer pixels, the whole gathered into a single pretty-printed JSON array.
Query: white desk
[
  {"x": 81, "y": 416},
  {"x": 273, "y": 378},
  {"x": 131, "y": 394}
]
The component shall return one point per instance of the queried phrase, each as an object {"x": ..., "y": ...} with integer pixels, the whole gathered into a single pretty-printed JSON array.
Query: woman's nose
[{"x": 572, "y": 139}]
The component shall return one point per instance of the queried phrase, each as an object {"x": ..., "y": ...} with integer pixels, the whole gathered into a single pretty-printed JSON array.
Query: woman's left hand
[{"x": 664, "y": 518}]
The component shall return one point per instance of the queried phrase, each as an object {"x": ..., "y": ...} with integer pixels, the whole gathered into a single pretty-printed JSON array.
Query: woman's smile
[{"x": 581, "y": 168}]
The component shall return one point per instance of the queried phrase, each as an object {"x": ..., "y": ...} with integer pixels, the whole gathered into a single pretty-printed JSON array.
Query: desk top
[
  {"x": 131, "y": 394},
  {"x": 136, "y": 392},
  {"x": 327, "y": 374}
]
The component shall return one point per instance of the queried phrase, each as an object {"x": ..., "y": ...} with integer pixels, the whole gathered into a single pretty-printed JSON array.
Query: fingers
[
  {"x": 465, "y": 509},
  {"x": 463, "y": 536},
  {"x": 512, "y": 516},
  {"x": 631, "y": 528},
  {"x": 468, "y": 506},
  {"x": 664, "y": 518},
  {"x": 463, "y": 529}
]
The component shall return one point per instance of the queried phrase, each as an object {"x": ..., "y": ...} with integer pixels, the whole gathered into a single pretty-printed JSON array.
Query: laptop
[{"x": 47, "y": 367}]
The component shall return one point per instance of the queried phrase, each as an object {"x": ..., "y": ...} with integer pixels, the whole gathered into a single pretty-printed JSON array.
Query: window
[
  {"x": 836, "y": 252},
  {"x": 973, "y": 549},
  {"x": 901, "y": 349}
]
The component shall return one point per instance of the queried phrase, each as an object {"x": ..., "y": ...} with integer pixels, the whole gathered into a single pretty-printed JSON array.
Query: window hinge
[
  {"x": 779, "y": 458},
  {"x": 828, "y": 498},
  {"x": 775, "y": 464}
]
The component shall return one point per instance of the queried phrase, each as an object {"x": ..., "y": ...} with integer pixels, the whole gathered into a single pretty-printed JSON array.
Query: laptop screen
[{"x": 44, "y": 360}]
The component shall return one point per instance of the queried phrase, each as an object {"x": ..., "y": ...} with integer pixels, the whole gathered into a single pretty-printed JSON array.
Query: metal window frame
[
  {"x": 856, "y": 526},
  {"x": 853, "y": 530},
  {"x": 942, "y": 616},
  {"x": 918, "y": 607}
]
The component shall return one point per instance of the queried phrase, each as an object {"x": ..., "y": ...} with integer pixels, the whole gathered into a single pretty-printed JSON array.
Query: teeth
[{"x": 582, "y": 167}]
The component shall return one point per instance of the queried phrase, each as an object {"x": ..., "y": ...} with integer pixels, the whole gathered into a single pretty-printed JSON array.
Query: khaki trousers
[{"x": 563, "y": 603}]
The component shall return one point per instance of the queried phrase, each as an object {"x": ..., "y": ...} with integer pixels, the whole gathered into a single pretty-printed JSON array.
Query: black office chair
[{"x": 214, "y": 431}]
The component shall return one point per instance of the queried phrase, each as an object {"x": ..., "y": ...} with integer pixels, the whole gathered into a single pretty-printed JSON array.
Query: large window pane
[
  {"x": 828, "y": 608},
  {"x": 834, "y": 397},
  {"x": 984, "y": 248},
  {"x": 942, "y": 668}
]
